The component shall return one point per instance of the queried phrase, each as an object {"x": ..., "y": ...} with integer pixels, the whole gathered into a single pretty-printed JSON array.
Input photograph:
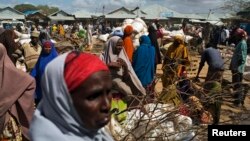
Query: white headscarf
[
  {"x": 55, "y": 118},
  {"x": 109, "y": 56}
]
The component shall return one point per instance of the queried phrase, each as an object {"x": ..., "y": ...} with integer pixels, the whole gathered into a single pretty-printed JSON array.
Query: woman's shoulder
[{"x": 38, "y": 128}]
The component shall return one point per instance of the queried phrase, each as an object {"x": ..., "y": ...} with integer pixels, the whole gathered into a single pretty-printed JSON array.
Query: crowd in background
[{"x": 73, "y": 92}]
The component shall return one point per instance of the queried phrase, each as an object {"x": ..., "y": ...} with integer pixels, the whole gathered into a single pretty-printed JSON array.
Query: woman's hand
[
  {"x": 125, "y": 68},
  {"x": 114, "y": 65},
  {"x": 123, "y": 63}
]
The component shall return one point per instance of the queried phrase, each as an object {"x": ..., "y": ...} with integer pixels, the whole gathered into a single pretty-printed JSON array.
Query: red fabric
[
  {"x": 184, "y": 110},
  {"x": 159, "y": 33},
  {"x": 240, "y": 32},
  {"x": 79, "y": 67},
  {"x": 47, "y": 44}
]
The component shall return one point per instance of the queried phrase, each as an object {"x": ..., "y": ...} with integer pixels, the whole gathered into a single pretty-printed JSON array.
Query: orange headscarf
[{"x": 128, "y": 42}]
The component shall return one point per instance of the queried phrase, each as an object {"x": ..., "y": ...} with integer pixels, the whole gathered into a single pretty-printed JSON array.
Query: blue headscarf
[
  {"x": 39, "y": 68},
  {"x": 144, "y": 61},
  {"x": 117, "y": 32}
]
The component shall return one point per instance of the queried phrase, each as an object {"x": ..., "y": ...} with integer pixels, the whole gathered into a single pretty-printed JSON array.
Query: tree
[
  {"x": 44, "y": 9},
  {"x": 25, "y": 7},
  {"x": 240, "y": 7},
  {"x": 236, "y": 5}
]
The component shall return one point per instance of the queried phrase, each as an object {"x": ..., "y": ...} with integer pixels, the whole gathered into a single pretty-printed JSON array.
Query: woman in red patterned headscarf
[{"x": 76, "y": 100}]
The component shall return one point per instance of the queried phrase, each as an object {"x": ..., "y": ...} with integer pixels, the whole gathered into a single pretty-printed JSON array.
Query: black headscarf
[{"x": 153, "y": 37}]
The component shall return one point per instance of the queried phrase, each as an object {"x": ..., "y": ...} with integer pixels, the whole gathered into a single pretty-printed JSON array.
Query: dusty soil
[{"x": 229, "y": 113}]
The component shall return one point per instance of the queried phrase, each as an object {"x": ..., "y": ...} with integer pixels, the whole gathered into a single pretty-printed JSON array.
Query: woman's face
[
  {"x": 34, "y": 40},
  {"x": 47, "y": 48},
  {"x": 176, "y": 43},
  {"x": 92, "y": 100},
  {"x": 118, "y": 47}
]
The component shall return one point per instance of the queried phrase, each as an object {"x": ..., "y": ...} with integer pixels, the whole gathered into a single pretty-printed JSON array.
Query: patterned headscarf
[{"x": 75, "y": 73}]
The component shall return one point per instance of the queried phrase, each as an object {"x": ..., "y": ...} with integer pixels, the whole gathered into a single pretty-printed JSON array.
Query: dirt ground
[{"x": 229, "y": 113}]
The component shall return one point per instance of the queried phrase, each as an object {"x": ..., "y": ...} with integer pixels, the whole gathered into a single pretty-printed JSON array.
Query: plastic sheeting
[{"x": 157, "y": 122}]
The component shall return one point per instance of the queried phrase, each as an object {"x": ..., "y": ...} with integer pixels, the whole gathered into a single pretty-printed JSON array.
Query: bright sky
[{"x": 183, "y": 6}]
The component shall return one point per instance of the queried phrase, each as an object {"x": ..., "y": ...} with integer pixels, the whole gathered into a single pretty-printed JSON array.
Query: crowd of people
[{"x": 69, "y": 96}]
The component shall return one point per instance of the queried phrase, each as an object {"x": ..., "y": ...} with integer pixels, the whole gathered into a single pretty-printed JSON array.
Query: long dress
[
  {"x": 174, "y": 66},
  {"x": 39, "y": 68},
  {"x": 144, "y": 61},
  {"x": 128, "y": 42},
  {"x": 153, "y": 37},
  {"x": 176, "y": 59},
  {"x": 130, "y": 87}
]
